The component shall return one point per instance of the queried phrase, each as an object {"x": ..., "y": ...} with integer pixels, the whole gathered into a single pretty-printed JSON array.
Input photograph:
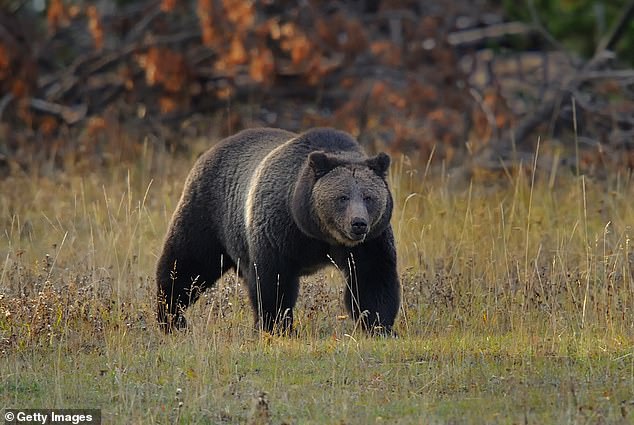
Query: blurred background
[{"x": 460, "y": 84}]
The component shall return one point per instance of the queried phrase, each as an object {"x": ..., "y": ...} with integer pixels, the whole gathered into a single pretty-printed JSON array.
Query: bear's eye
[
  {"x": 368, "y": 199},
  {"x": 343, "y": 198}
]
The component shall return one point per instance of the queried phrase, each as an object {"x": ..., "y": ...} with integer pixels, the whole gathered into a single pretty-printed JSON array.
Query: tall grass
[
  {"x": 521, "y": 255},
  {"x": 497, "y": 277}
]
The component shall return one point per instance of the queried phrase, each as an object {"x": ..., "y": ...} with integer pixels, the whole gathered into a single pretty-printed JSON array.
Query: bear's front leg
[
  {"x": 373, "y": 291},
  {"x": 273, "y": 292}
]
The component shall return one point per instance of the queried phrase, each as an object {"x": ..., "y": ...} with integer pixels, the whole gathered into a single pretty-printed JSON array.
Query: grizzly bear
[{"x": 276, "y": 205}]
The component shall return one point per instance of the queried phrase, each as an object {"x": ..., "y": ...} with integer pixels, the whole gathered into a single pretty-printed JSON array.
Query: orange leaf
[
  {"x": 56, "y": 15},
  {"x": 48, "y": 125},
  {"x": 95, "y": 27},
  {"x": 240, "y": 13},
  {"x": 167, "y": 104},
  {"x": 19, "y": 88},
  {"x": 150, "y": 63},
  {"x": 274, "y": 29},
  {"x": 262, "y": 65},
  {"x": 5, "y": 61},
  {"x": 387, "y": 52},
  {"x": 168, "y": 5},
  {"x": 165, "y": 67},
  {"x": 237, "y": 53},
  {"x": 204, "y": 11},
  {"x": 300, "y": 50}
]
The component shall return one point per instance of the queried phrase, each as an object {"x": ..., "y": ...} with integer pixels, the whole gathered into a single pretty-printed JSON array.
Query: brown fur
[{"x": 277, "y": 205}]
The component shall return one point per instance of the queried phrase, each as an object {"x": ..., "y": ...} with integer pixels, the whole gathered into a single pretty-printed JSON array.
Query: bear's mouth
[
  {"x": 354, "y": 238},
  {"x": 348, "y": 239},
  {"x": 347, "y": 236}
]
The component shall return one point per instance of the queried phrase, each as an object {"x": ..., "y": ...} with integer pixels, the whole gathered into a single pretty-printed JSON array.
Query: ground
[{"x": 517, "y": 308}]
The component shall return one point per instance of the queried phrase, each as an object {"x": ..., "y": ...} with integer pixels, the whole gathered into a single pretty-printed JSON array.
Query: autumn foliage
[{"x": 166, "y": 70}]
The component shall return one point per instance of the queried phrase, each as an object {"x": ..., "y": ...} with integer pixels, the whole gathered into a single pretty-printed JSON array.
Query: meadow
[{"x": 518, "y": 300}]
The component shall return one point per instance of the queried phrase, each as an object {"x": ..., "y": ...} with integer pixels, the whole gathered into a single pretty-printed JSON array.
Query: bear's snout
[{"x": 359, "y": 226}]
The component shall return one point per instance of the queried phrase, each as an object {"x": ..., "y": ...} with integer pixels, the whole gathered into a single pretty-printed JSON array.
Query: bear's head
[{"x": 343, "y": 200}]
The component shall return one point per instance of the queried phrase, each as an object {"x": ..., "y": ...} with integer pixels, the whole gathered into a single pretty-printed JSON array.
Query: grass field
[{"x": 518, "y": 303}]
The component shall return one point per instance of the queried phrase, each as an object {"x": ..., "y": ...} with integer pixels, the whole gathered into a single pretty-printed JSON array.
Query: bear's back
[
  {"x": 328, "y": 140},
  {"x": 254, "y": 171}
]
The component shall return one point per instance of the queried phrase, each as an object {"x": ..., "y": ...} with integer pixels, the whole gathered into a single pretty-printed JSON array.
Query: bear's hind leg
[{"x": 180, "y": 281}]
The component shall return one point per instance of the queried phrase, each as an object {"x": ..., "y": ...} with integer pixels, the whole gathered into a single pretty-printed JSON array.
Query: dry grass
[{"x": 517, "y": 307}]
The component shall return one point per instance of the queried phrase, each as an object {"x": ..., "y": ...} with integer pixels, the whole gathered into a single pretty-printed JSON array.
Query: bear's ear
[
  {"x": 322, "y": 163},
  {"x": 379, "y": 164}
]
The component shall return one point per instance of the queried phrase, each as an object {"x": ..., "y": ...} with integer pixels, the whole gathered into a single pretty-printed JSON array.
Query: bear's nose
[{"x": 359, "y": 226}]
